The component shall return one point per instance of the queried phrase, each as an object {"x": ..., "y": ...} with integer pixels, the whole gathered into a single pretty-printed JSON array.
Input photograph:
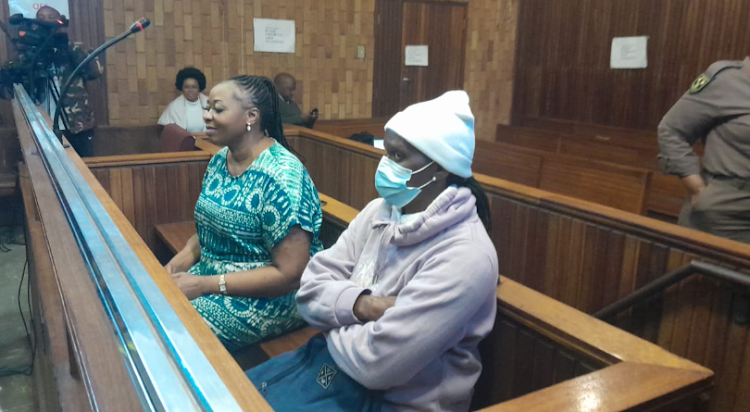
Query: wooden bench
[
  {"x": 610, "y": 184},
  {"x": 664, "y": 194}
]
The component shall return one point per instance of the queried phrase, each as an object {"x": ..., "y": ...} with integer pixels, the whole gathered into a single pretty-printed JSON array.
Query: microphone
[
  {"x": 140, "y": 25},
  {"x": 137, "y": 26}
]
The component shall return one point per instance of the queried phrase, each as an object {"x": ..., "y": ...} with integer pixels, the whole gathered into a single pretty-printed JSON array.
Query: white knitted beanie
[{"x": 442, "y": 129}]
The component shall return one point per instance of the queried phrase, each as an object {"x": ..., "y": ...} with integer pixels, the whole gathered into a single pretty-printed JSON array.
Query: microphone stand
[{"x": 140, "y": 25}]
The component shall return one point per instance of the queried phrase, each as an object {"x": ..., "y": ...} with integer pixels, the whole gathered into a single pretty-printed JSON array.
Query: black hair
[
  {"x": 483, "y": 204},
  {"x": 263, "y": 95},
  {"x": 190, "y": 73}
]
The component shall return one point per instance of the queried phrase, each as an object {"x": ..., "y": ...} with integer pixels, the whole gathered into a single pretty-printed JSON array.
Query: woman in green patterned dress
[{"x": 258, "y": 220}]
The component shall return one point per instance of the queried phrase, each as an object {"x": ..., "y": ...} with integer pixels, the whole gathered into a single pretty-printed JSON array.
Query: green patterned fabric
[{"x": 239, "y": 220}]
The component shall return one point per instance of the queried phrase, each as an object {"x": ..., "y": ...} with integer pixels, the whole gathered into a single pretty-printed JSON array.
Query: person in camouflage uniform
[{"x": 75, "y": 103}]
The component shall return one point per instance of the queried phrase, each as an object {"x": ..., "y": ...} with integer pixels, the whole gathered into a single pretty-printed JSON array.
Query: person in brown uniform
[{"x": 716, "y": 109}]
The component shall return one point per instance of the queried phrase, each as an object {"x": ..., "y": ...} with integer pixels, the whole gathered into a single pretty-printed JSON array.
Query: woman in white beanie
[{"x": 408, "y": 291}]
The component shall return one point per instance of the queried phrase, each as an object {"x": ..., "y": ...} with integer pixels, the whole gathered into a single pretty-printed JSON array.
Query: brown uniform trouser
[{"x": 722, "y": 209}]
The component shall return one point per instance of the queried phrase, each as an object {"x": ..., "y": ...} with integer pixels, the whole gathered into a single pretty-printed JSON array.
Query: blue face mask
[{"x": 390, "y": 182}]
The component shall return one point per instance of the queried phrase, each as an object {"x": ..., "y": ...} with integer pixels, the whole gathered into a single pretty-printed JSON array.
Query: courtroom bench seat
[{"x": 175, "y": 236}]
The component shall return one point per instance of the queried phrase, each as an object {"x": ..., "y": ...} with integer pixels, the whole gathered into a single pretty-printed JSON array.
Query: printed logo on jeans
[{"x": 326, "y": 375}]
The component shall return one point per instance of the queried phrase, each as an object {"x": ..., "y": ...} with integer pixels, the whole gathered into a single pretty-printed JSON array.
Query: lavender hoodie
[{"x": 442, "y": 267}]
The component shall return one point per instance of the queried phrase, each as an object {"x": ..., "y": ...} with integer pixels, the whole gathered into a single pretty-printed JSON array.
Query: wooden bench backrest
[
  {"x": 131, "y": 140},
  {"x": 664, "y": 195},
  {"x": 605, "y": 183},
  {"x": 610, "y": 149},
  {"x": 511, "y": 164},
  {"x": 346, "y": 128},
  {"x": 152, "y": 189},
  {"x": 638, "y": 139}
]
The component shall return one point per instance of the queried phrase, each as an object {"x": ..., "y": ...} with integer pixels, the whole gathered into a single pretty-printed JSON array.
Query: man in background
[{"x": 291, "y": 113}]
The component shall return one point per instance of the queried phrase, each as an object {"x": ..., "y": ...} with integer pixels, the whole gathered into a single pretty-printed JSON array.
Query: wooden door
[{"x": 439, "y": 25}]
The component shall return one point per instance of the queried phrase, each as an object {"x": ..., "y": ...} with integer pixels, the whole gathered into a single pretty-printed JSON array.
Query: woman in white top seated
[{"x": 186, "y": 111}]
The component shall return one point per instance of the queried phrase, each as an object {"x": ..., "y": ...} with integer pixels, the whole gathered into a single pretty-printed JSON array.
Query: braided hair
[
  {"x": 483, "y": 204},
  {"x": 261, "y": 92}
]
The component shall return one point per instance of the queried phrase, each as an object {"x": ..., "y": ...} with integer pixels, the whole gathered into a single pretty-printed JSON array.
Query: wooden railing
[
  {"x": 579, "y": 363},
  {"x": 545, "y": 356}
]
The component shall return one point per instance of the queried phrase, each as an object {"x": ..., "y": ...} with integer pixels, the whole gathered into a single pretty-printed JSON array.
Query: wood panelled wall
[
  {"x": 588, "y": 256},
  {"x": 490, "y": 53},
  {"x": 216, "y": 36},
  {"x": 562, "y": 63},
  {"x": 151, "y": 195}
]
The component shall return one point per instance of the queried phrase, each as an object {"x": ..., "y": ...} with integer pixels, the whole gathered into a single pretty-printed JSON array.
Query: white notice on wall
[
  {"x": 274, "y": 36},
  {"x": 29, "y": 7},
  {"x": 629, "y": 53},
  {"x": 417, "y": 56}
]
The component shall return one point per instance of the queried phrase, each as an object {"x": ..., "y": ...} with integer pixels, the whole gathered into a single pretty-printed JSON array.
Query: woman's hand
[
  {"x": 191, "y": 285},
  {"x": 370, "y": 308},
  {"x": 179, "y": 263}
]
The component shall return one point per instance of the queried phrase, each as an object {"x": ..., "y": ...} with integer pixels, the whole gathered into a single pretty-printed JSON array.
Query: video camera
[{"x": 38, "y": 46}]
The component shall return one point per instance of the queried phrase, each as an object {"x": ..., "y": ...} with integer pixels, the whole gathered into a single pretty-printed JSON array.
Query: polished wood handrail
[
  {"x": 145, "y": 159},
  {"x": 586, "y": 334},
  {"x": 621, "y": 387},
  {"x": 640, "y": 374}
]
